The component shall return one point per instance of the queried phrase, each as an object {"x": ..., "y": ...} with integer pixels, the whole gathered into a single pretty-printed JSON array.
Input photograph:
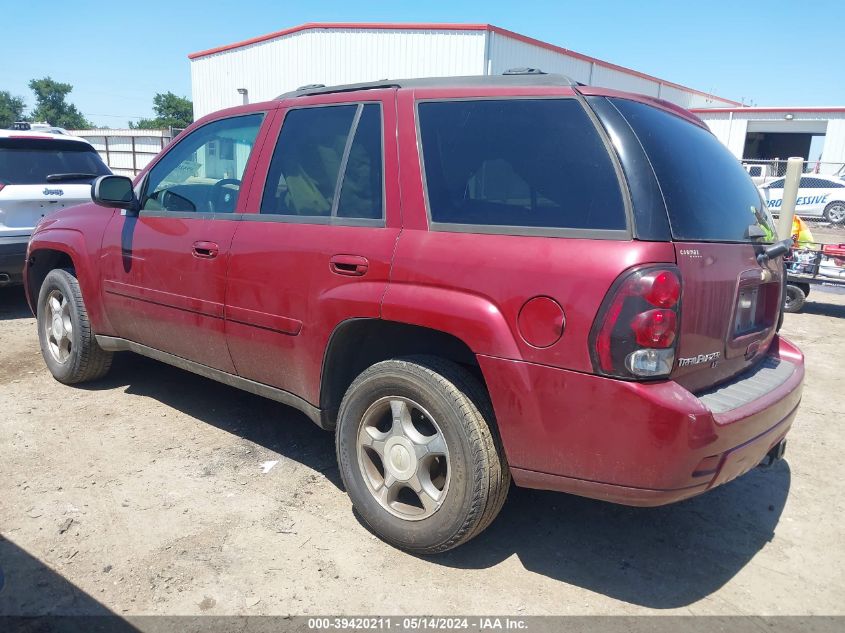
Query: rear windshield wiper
[{"x": 75, "y": 175}]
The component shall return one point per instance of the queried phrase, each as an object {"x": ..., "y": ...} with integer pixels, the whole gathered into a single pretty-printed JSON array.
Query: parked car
[
  {"x": 467, "y": 279},
  {"x": 818, "y": 197},
  {"x": 40, "y": 173}
]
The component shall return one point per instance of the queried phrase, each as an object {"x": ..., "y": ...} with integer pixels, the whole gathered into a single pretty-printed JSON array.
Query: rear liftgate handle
[
  {"x": 205, "y": 250},
  {"x": 349, "y": 265}
]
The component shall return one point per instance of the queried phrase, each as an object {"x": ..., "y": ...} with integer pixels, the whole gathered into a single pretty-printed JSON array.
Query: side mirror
[{"x": 115, "y": 192}]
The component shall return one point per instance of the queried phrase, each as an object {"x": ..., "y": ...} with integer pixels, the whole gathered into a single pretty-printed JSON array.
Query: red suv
[{"x": 468, "y": 279}]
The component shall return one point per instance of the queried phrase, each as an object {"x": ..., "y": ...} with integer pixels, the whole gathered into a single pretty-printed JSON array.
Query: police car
[
  {"x": 40, "y": 172},
  {"x": 818, "y": 196}
]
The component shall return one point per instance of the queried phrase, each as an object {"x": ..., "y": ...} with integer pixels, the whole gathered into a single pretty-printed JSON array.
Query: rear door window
[
  {"x": 327, "y": 164},
  {"x": 32, "y": 161},
  {"x": 708, "y": 194},
  {"x": 502, "y": 165}
]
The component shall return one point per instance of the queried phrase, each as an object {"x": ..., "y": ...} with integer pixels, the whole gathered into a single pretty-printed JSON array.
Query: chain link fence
[
  {"x": 763, "y": 171},
  {"x": 821, "y": 194}
]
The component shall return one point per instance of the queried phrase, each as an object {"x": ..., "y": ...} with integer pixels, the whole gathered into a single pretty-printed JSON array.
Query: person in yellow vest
[{"x": 801, "y": 235}]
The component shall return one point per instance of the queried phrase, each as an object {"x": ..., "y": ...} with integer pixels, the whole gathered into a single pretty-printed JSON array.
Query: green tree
[
  {"x": 11, "y": 109},
  {"x": 50, "y": 105},
  {"x": 171, "y": 111}
]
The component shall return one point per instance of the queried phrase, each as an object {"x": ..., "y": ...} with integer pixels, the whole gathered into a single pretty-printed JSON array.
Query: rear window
[
  {"x": 708, "y": 194},
  {"x": 524, "y": 163},
  {"x": 39, "y": 161}
]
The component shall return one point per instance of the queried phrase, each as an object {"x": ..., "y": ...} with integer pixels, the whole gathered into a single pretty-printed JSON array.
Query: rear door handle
[
  {"x": 349, "y": 265},
  {"x": 206, "y": 250}
]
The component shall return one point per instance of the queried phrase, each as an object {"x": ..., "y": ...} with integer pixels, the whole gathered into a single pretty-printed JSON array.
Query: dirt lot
[{"x": 145, "y": 493}]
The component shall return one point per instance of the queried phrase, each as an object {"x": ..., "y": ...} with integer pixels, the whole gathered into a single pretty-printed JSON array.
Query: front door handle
[
  {"x": 206, "y": 250},
  {"x": 349, "y": 265}
]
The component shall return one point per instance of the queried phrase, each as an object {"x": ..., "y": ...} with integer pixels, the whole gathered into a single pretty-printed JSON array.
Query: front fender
[{"x": 84, "y": 255}]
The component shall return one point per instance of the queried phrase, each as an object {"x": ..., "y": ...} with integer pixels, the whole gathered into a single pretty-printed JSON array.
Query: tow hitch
[{"x": 775, "y": 454}]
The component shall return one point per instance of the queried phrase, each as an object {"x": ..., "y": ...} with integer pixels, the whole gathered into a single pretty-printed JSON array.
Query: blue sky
[{"x": 117, "y": 55}]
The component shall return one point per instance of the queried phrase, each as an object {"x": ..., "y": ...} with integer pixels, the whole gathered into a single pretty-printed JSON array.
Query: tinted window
[
  {"x": 518, "y": 162},
  {"x": 361, "y": 190},
  {"x": 313, "y": 147},
  {"x": 203, "y": 172},
  {"x": 817, "y": 183},
  {"x": 39, "y": 161},
  {"x": 777, "y": 184},
  {"x": 708, "y": 194}
]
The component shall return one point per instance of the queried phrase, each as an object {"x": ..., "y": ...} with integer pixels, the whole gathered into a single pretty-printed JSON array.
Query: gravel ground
[{"x": 145, "y": 493}]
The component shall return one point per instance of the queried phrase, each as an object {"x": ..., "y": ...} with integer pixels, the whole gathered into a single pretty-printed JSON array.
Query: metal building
[
  {"x": 264, "y": 67},
  {"x": 773, "y": 134}
]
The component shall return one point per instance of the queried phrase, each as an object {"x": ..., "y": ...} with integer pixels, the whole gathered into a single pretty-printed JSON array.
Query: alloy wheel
[
  {"x": 58, "y": 326},
  {"x": 836, "y": 213},
  {"x": 403, "y": 458}
]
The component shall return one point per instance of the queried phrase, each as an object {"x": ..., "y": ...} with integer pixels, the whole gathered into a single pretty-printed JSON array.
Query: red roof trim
[
  {"x": 769, "y": 109},
  {"x": 429, "y": 26}
]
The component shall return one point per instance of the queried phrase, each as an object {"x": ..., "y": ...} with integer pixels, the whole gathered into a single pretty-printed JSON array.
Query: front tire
[
  {"x": 68, "y": 344},
  {"x": 419, "y": 454},
  {"x": 835, "y": 212}
]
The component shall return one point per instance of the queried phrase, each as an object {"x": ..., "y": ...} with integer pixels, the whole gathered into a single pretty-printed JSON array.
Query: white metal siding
[
  {"x": 834, "y": 141},
  {"x": 347, "y": 55},
  {"x": 506, "y": 52},
  {"x": 331, "y": 56},
  {"x": 736, "y": 137}
]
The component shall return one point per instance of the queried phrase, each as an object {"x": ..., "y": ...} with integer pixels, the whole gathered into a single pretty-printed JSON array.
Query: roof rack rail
[
  {"x": 321, "y": 89},
  {"x": 524, "y": 71},
  {"x": 512, "y": 77}
]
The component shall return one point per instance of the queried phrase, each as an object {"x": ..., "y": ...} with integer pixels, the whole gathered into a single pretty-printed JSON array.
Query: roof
[
  {"x": 429, "y": 26},
  {"x": 41, "y": 134},
  {"x": 514, "y": 78}
]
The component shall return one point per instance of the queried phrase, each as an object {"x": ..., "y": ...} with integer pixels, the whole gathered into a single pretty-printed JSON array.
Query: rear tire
[
  {"x": 68, "y": 344},
  {"x": 795, "y": 299},
  {"x": 443, "y": 496},
  {"x": 835, "y": 212}
]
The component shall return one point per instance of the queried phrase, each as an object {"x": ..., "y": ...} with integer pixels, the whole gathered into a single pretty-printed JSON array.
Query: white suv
[{"x": 40, "y": 172}]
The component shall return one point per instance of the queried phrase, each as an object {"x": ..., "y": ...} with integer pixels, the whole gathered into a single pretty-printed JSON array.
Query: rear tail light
[{"x": 636, "y": 330}]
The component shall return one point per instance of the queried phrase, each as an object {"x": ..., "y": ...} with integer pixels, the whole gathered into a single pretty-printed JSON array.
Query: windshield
[
  {"x": 708, "y": 194},
  {"x": 28, "y": 161}
]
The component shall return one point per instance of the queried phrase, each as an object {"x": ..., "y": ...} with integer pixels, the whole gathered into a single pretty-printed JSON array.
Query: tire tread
[
  {"x": 93, "y": 361},
  {"x": 488, "y": 469}
]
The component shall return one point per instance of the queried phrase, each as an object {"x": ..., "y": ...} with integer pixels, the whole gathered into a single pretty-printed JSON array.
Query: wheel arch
[
  {"x": 356, "y": 344},
  {"x": 63, "y": 248}
]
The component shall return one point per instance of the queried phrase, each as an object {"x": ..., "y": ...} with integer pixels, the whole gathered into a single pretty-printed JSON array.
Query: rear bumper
[
  {"x": 633, "y": 443},
  {"x": 12, "y": 259}
]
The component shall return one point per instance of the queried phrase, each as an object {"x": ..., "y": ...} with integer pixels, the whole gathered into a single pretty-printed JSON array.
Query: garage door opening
[{"x": 782, "y": 145}]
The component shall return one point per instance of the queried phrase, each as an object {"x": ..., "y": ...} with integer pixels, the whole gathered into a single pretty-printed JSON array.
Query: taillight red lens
[
  {"x": 664, "y": 289},
  {"x": 655, "y": 328},
  {"x": 636, "y": 330}
]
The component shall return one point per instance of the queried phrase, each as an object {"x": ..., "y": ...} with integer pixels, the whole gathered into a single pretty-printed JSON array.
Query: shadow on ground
[
  {"x": 660, "y": 558},
  {"x": 259, "y": 420},
  {"x": 29, "y": 590},
  {"x": 817, "y": 306},
  {"x": 13, "y": 304},
  {"x": 656, "y": 557}
]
